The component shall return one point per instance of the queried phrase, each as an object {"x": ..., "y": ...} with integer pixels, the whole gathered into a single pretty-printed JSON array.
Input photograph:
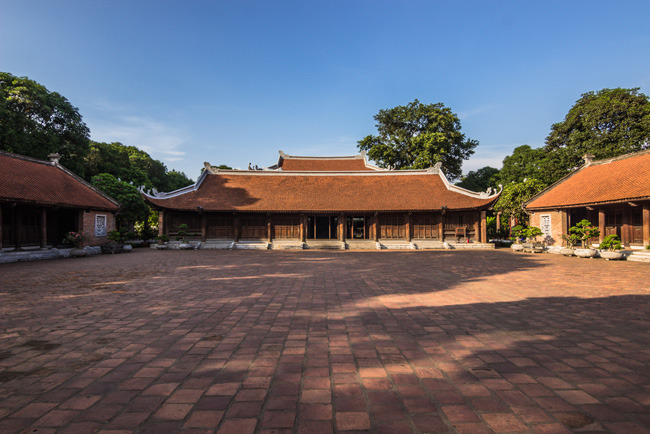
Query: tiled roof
[
  {"x": 293, "y": 192},
  {"x": 27, "y": 180},
  {"x": 324, "y": 164},
  {"x": 619, "y": 179}
]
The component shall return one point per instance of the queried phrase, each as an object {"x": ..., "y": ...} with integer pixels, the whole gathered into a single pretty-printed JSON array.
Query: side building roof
[
  {"x": 621, "y": 179},
  {"x": 28, "y": 180},
  {"x": 284, "y": 192},
  {"x": 292, "y": 163}
]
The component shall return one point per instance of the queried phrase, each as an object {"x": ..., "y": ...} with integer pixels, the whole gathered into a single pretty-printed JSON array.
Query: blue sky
[{"x": 233, "y": 82}]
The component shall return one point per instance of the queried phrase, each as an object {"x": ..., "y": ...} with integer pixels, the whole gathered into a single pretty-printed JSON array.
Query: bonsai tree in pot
[
  {"x": 611, "y": 247},
  {"x": 77, "y": 240},
  {"x": 516, "y": 236},
  {"x": 531, "y": 233},
  {"x": 183, "y": 233},
  {"x": 570, "y": 241},
  {"x": 162, "y": 241},
  {"x": 584, "y": 230}
]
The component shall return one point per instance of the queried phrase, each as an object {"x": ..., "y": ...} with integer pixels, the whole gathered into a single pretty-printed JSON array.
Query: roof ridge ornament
[
  {"x": 54, "y": 158},
  {"x": 435, "y": 168}
]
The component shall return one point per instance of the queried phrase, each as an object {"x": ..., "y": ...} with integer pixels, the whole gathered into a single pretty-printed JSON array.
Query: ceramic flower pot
[{"x": 613, "y": 255}]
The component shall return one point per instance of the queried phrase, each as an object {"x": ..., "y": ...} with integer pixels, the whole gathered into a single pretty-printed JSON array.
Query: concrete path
[{"x": 323, "y": 342}]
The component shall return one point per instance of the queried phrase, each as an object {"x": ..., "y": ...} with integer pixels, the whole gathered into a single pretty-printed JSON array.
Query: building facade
[
  {"x": 312, "y": 200},
  {"x": 613, "y": 194},
  {"x": 41, "y": 201}
]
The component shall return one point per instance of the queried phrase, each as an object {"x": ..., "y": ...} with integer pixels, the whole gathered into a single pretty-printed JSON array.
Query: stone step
[
  {"x": 251, "y": 245},
  {"x": 325, "y": 245},
  {"x": 431, "y": 245},
  {"x": 397, "y": 246},
  {"x": 361, "y": 245},
  {"x": 639, "y": 256},
  {"x": 282, "y": 245},
  {"x": 217, "y": 245},
  {"x": 471, "y": 246}
]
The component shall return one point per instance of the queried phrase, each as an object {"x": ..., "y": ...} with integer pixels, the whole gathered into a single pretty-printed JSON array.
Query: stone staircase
[
  {"x": 639, "y": 256},
  {"x": 251, "y": 245},
  {"x": 217, "y": 245},
  {"x": 429, "y": 245},
  {"x": 361, "y": 245},
  {"x": 287, "y": 245},
  {"x": 324, "y": 245},
  {"x": 396, "y": 245}
]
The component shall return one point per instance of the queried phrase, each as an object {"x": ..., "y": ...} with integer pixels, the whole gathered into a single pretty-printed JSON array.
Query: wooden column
[
  {"x": 204, "y": 227},
  {"x": 483, "y": 238},
  {"x": 498, "y": 221},
  {"x": 161, "y": 222},
  {"x": 342, "y": 227},
  {"x": 0, "y": 228},
  {"x": 441, "y": 228},
  {"x": 236, "y": 221},
  {"x": 375, "y": 224},
  {"x": 408, "y": 222},
  {"x": 17, "y": 226},
  {"x": 565, "y": 222},
  {"x": 646, "y": 225},
  {"x": 303, "y": 226},
  {"x": 269, "y": 229},
  {"x": 44, "y": 228},
  {"x": 626, "y": 239},
  {"x": 477, "y": 228},
  {"x": 601, "y": 224}
]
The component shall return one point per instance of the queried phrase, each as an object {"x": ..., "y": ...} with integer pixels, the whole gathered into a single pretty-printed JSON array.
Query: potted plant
[
  {"x": 516, "y": 236},
  {"x": 584, "y": 230},
  {"x": 77, "y": 240},
  {"x": 610, "y": 248},
  {"x": 183, "y": 233},
  {"x": 116, "y": 245},
  {"x": 570, "y": 241},
  {"x": 531, "y": 233},
  {"x": 162, "y": 241}
]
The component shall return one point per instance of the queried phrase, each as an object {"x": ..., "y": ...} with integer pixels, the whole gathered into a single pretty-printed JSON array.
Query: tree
[
  {"x": 514, "y": 195},
  {"x": 176, "y": 180},
  {"x": 606, "y": 123},
  {"x": 36, "y": 122},
  {"x": 524, "y": 163},
  {"x": 480, "y": 180},
  {"x": 417, "y": 136},
  {"x": 133, "y": 207}
]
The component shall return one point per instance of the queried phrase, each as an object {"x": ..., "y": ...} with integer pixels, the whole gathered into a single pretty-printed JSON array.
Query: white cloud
[{"x": 475, "y": 111}]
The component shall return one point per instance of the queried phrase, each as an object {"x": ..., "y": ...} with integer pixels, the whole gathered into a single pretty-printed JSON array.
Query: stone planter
[
  {"x": 613, "y": 255},
  {"x": 77, "y": 253},
  {"x": 517, "y": 247},
  {"x": 586, "y": 253},
  {"x": 161, "y": 246},
  {"x": 533, "y": 247},
  {"x": 567, "y": 251},
  {"x": 185, "y": 246},
  {"x": 127, "y": 248}
]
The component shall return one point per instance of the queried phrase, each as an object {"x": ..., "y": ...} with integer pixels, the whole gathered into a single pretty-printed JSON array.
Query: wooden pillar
[
  {"x": 236, "y": 221},
  {"x": 204, "y": 227},
  {"x": 303, "y": 226},
  {"x": 269, "y": 228},
  {"x": 498, "y": 221},
  {"x": 441, "y": 228},
  {"x": 565, "y": 222},
  {"x": 342, "y": 227},
  {"x": 477, "y": 227},
  {"x": 646, "y": 225},
  {"x": 601, "y": 224},
  {"x": 483, "y": 239},
  {"x": 625, "y": 229},
  {"x": 0, "y": 228},
  {"x": 17, "y": 227},
  {"x": 43, "y": 228},
  {"x": 375, "y": 224},
  {"x": 161, "y": 222},
  {"x": 408, "y": 222}
]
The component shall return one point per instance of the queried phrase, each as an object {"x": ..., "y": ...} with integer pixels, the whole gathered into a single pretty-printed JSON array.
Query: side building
[
  {"x": 41, "y": 201},
  {"x": 613, "y": 194},
  {"x": 325, "y": 202}
]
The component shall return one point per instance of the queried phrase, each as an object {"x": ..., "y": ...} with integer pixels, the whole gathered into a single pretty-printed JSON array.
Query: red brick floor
[{"x": 323, "y": 342}]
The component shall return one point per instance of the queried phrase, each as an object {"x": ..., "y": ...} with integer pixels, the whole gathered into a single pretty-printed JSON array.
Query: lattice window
[
  {"x": 425, "y": 227},
  {"x": 392, "y": 227},
  {"x": 253, "y": 227},
  {"x": 220, "y": 227},
  {"x": 287, "y": 227}
]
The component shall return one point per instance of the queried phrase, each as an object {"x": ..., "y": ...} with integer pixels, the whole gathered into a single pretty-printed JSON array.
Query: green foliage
[
  {"x": 606, "y": 123},
  {"x": 524, "y": 163},
  {"x": 77, "y": 239},
  {"x": 514, "y": 195},
  {"x": 571, "y": 240},
  {"x": 583, "y": 230},
  {"x": 132, "y": 165},
  {"x": 517, "y": 233},
  {"x": 133, "y": 207},
  {"x": 611, "y": 243},
  {"x": 480, "y": 180},
  {"x": 118, "y": 235},
  {"x": 417, "y": 136},
  {"x": 532, "y": 232},
  {"x": 162, "y": 238},
  {"x": 183, "y": 232},
  {"x": 36, "y": 122}
]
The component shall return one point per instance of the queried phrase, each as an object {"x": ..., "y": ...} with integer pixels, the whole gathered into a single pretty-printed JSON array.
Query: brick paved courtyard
[{"x": 322, "y": 342}]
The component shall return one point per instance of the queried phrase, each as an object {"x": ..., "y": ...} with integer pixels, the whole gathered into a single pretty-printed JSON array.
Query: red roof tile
[
  {"x": 24, "y": 179},
  {"x": 620, "y": 179},
  {"x": 335, "y": 164},
  {"x": 286, "y": 192}
]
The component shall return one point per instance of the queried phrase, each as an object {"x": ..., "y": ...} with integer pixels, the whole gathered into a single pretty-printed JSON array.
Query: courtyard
[{"x": 323, "y": 342}]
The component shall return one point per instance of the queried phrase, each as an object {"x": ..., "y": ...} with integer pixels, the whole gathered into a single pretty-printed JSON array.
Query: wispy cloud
[{"x": 475, "y": 111}]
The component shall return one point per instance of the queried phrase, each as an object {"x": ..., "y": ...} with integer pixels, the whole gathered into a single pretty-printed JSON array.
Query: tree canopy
[
  {"x": 36, "y": 122},
  {"x": 133, "y": 207},
  {"x": 606, "y": 123},
  {"x": 524, "y": 163},
  {"x": 417, "y": 136},
  {"x": 480, "y": 179},
  {"x": 511, "y": 201}
]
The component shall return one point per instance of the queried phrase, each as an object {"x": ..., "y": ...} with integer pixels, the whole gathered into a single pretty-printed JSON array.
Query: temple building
[
  {"x": 325, "y": 202},
  {"x": 613, "y": 194},
  {"x": 41, "y": 201}
]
